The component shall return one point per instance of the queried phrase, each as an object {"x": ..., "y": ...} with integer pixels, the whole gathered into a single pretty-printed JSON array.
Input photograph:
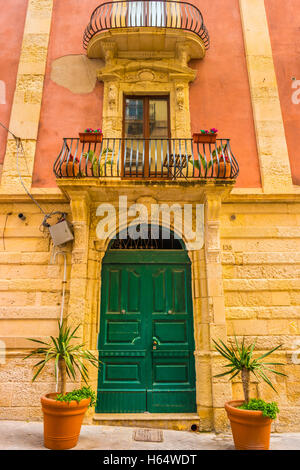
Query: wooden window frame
[{"x": 146, "y": 123}]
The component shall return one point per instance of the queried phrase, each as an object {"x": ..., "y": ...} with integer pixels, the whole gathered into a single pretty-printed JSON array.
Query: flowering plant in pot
[
  {"x": 91, "y": 135},
  {"x": 205, "y": 136},
  {"x": 250, "y": 419},
  {"x": 63, "y": 412}
]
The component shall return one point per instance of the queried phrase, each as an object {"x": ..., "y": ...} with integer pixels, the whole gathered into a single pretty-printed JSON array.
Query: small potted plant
[
  {"x": 63, "y": 412},
  {"x": 91, "y": 136},
  {"x": 70, "y": 167},
  {"x": 205, "y": 136},
  {"x": 220, "y": 160},
  {"x": 97, "y": 166},
  {"x": 250, "y": 420},
  {"x": 222, "y": 163}
]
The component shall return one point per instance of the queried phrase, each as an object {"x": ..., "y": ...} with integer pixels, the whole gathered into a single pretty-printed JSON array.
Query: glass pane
[
  {"x": 134, "y": 118},
  {"x": 158, "y": 118},
  {"x": 134, "y": 129},
  {"x": 159, "y": 129}
]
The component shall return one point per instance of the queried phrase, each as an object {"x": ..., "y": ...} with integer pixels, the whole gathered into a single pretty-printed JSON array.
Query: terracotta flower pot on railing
[
  {"x": 205, "y": 136},
  {"x": 91, "y": 136}
]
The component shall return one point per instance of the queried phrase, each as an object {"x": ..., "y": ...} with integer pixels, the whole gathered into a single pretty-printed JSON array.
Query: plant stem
[
  {"x": 246, "y": 383},
  {"x": 63, "y": 375}
]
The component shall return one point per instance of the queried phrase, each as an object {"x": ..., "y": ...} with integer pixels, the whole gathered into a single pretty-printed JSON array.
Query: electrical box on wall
[{"x": 61, "y": 233}]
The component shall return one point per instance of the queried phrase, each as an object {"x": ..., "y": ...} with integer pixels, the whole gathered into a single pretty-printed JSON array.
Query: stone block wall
[
  {"x": 30, "y": 303},
  {"x": 261, "y": 265}
]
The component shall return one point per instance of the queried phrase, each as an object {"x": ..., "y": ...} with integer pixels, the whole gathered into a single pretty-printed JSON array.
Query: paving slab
[{"x": 21, "y": 435}]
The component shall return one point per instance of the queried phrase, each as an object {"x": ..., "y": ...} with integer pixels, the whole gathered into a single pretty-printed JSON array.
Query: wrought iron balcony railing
[
  {"x": 169, "y": 159},
  {"x": 143, "y": 13}
]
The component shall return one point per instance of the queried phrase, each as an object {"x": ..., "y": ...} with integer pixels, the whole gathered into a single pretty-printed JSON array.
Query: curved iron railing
[
  {"x": 154, "y": 13},
  {"x": 169, "y": 159}
]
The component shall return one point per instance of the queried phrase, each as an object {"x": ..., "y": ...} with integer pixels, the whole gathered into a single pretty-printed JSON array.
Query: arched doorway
[{"x": 146, "y": 338}]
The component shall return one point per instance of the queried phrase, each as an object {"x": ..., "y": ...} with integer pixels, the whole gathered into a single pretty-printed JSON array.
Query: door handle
[
  {"x": 123, "y": 311},
  {"x": 170, "y": 312},
  {"x": 155, "y": 343}
]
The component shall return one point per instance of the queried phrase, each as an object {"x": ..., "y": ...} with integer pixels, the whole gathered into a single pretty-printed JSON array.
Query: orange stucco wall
[
  {"x": 12, "y": 21},
  {"x": 64, "y": 113},
  {"x": 283, "y": 19},
  {"x": 219, "y": 97}
]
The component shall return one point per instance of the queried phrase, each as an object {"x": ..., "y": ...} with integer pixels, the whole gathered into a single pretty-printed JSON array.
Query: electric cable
[{"x": 19, "y": 145}]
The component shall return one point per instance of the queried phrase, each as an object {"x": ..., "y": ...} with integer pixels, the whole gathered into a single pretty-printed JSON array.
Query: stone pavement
[{"x": 20, "y": 435}]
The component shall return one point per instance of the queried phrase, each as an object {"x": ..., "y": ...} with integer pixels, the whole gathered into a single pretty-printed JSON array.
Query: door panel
[
  {"x": 159, "y": 298},
  {"x": 178, "y": 288},
  {"x": 170, "y": 333},
  {"x": 119, "y": 332},
  {"x": 134, "y": 292},
  {"x": 146, "y": 336},
  {"x": 114, "y": 291},
  {"x": 173, "y": 366}
]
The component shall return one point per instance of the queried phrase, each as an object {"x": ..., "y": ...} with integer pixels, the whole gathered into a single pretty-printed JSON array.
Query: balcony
[
  {"x": 130, "y": 25},
  {"x": 147, "y": 159}
]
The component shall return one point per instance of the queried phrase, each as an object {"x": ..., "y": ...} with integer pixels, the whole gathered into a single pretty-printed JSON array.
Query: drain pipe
[{"x": 64, "y": 282}]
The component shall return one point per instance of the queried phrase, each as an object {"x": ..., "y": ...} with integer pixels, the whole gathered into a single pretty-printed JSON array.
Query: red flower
[{"x": 72, "y": 158}]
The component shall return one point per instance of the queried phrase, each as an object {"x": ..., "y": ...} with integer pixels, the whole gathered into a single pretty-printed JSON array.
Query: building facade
[{"x": 150, "y": 74}]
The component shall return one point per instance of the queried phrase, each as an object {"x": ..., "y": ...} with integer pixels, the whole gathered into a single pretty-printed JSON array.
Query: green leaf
[
  {"x": 269, "y": 352},
  {"x": 61, "y": 347},
  {"x": 239, "y": 356}
]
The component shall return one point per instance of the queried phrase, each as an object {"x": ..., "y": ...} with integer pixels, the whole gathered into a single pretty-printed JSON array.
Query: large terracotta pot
[
  {"x": 222, "y": 171},
  {"x": 250, "y": 429},
  {"x": 70, "y": 168},
  {"x": 62, "y": 421}
]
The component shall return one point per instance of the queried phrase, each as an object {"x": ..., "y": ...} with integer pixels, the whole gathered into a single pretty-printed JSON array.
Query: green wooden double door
[{"x": 146, "y": 339}]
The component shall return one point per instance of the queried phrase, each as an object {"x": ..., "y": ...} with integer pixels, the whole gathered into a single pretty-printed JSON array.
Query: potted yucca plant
[
  {"x": 250, "y": 419},
  {"x": 63, "y": 412}
]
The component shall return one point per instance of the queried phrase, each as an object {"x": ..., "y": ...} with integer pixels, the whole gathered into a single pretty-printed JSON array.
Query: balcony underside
[{"x": 142, "y": 42}]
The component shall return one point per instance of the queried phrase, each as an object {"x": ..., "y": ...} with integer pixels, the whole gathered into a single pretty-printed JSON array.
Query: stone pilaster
[
  {"x": 26, "y": 108},
  {"x": 214, "y": 304},
  {"x": 79, "y": 272},
  {"x": 270, "y": 136}
]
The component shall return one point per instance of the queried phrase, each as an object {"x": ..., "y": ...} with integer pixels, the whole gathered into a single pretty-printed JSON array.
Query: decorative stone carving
[
  {"x": 165, "y": 76},
  {"x": 112, "y": 96},
  {"x": 109, "y": 52},
  {"x": 146, "y": 75},
  {"x": 182, "y": 54},
  {"x": 180, "y": 97}
]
